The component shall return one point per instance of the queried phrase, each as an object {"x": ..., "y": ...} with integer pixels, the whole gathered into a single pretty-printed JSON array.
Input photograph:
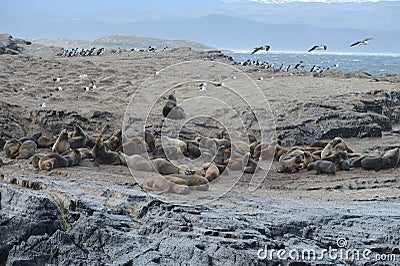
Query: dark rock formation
[{"x": 119, "y": 226}]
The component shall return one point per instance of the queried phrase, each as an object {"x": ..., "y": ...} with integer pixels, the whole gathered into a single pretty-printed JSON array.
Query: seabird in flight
[
  {"x": 318, "y": 47},
  {"x": 265, "y": 47},
  {"x": 363, "y": 42}
]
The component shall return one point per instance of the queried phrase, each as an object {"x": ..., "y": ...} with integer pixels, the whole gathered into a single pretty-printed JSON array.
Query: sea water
[{"x": 374, "y": 64}]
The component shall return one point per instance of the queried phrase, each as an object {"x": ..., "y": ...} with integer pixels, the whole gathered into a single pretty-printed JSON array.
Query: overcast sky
[{"x": 89, "y": 19}]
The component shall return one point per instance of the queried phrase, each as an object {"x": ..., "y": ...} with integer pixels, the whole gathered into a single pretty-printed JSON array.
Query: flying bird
[
  {"x": 363, "y": 42},
  {"x": 265, "y": 47},
  {"x": 318, "y": 47}
]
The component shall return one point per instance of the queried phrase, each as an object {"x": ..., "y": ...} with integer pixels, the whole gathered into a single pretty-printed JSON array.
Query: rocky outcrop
[
  {"x": 12, "y": 46},
  {"x": 360, "y": 116},
  {"x": 93, "y": 225}
]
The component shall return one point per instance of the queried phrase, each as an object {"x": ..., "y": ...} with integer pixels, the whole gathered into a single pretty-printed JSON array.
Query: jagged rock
[
  {"x": 10, "y": 123},
  {"x": 10, "y": 45}
]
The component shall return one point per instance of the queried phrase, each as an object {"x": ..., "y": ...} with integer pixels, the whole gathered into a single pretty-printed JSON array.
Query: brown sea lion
[
  {"x": 85, "y": 153},
  {"x": 113, "y": 142},
  {"x": 172, "y": 184},
  {"x": 136, "y": 145},
  {"x": 212, "y": 172},
  {"x": 73, "y": 156},
  {"x": 52, "y": 161},
  {"x": 394, "y": 157},
  {"x": 61, "y": 145},
  {"x": 27, "y": 149},
  {"x": 46, "y": 142},
  {"x": 35, "y": 160},
  {"x": 289, "y": 164},
  {"x": 165, "y": 167},
  {"x": 322, "y": 166},
  {"x": 193, "y": 181},
  {"x": 79, "y": 138},
  {"x": 11, "y": 148}
]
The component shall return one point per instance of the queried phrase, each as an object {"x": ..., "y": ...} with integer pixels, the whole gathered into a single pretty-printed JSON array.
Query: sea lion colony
[{"x": 68, "y": 149}]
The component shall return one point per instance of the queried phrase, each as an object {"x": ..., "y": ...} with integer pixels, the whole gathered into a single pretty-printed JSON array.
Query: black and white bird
[
  {"x": 261, "y": 48},
  {"x": 363, "y": 42},
  {"x": 318, "y": 47}
]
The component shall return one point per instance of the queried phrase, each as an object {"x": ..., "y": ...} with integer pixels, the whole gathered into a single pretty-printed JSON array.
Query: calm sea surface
[{"x": 374, "y": 64}]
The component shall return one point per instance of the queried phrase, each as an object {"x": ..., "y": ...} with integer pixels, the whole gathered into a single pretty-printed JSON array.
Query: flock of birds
[
  {"x": 65, "y": 52},
  {"x": 282, "y": 68},
  {"x": 315, "y": 47}
]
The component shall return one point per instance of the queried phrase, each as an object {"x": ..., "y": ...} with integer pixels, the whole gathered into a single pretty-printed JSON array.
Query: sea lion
[
  {"x": 165, "y": 167},
  {"x": 61, "y": 145},
  {"x": 322, "y": 166},
  {"x": 35, "y": 160},
  {"x": 46, "y": 142},
  {"x": 85, "y": 153},
  {"x": 11, "y": 148},
  {"x": 138, "y": 163},
  {"x": 212, "y": 172},
  {"x": 171, "y": 141},
  {"x": 52, "y": 161},
  {"x": 73, "y": 156},
  {"x": 290, "y": 164},
  {"x": 113, "y": 142},
  {"x": 171, "y": 110},
  {"x": 34, "y": 137},
  {"x": 94, "y": 137},
  {"x": 375, "y": 163},
  {"x": 149, "y": 138},
  {"x": 27, "y": 149},
  {"x": 193, "y": 181},
  {"x": 193, "y": 151},
  {"x": 79, "y": 138},
  {"x": 102, "y": 156},
  {"x": 307, "y": 159},
  {"x": 172, "y": 184},
  {"x": 394, "y": 156},
  {"x": 356, "y": 160},
  {"x": 136, "y": 145}
]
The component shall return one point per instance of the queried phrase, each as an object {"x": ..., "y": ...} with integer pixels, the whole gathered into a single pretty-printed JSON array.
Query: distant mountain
[{"x": 123, "y": 41}]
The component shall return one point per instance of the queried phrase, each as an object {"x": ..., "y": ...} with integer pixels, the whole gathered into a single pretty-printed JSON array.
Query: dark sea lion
[
  {"x": 375, "y": 163},
  {"x": 322, "y": 166},
  {"x": 171, "y": 110},
  {"x": 34, "y": 137},
  {"x": 27, "y": 149},
  {"x": 102, "y": 156}
]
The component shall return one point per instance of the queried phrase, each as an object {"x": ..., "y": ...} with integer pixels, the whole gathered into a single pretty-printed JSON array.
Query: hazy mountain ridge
[{"x": 123, "y": 41}]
